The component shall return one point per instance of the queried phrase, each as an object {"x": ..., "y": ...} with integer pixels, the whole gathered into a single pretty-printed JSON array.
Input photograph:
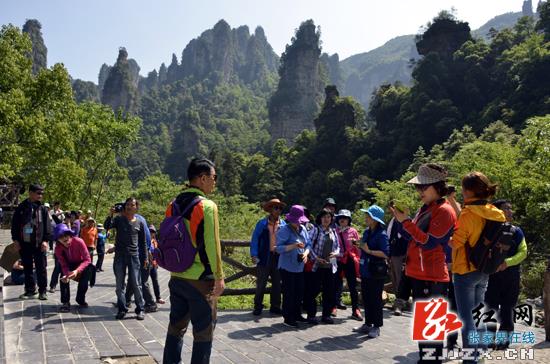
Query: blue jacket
[
  {"x": 375, "y": 240},
  {"x": 288, "y": 260},
  {"x": 147, "y": 232},
  {"x": 259, "y": 244}
]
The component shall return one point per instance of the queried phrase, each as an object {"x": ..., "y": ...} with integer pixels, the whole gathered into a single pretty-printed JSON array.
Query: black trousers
[
  {"x": 452, "y": 338},
  {"x": 427, "y": 289},
  {"x": 33, "y": 256},
  {"x": 293, "y": 286},
  {"x": 155, "y": 280},
  {"x": 348, "y": 270},
  {"x": 322, "y": 280},
  {"x": 502, "y": 296},
  {"x": 82, "y": 286},
  {"x": 147, "y": 296},
  {"x": 404, "y": 290},
  {"x": 264, "y": 272},
  {"x": 56, "y": 273},
  {"x": 371, "y": 291}
]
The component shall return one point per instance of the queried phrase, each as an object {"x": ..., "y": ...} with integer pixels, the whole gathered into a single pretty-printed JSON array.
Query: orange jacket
[{"x": 468, "y": 230}]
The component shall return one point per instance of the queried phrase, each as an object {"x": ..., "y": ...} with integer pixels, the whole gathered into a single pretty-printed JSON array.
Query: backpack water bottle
[{"x": 175, "y": 251}]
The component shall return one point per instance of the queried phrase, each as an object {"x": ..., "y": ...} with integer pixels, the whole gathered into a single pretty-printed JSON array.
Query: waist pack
[
  {"x": 175, "y": 251},
  {"x": 492, "y": 248}
]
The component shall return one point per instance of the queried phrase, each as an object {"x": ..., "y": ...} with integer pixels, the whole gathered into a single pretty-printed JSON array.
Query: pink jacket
[
  {"x": 76, "y": 253},
  {"x": 347, "y": 249}
]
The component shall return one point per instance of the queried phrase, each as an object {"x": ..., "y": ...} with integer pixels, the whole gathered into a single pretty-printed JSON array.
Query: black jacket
[{"x": 23, "y": 215}]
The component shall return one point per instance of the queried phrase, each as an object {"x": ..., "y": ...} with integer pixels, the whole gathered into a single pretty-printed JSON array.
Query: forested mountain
[{"x": 391, "y": 62}]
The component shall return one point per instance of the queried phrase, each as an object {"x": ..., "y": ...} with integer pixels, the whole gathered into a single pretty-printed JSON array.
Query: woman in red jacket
[
  {"x": 73, "y": 256},
  {"x": 429, "y": 233}
]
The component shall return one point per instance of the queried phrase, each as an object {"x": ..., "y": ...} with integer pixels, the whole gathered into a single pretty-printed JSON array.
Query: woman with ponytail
[{"x": 469, "y": 283}]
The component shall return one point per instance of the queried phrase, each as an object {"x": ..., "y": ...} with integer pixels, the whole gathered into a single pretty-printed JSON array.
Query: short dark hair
[
  {"x": 130, "y": 199},
  {"x": 57, "y": 203},
  {"x": 35, "y": 187},
  {"x": 323, "y": 212},
  {"x": 198, "y": 167},
  {"x": 500, "y": 203}
]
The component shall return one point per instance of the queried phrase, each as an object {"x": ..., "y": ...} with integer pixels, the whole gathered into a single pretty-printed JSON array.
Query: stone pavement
[{"x": 35, "y": 332}]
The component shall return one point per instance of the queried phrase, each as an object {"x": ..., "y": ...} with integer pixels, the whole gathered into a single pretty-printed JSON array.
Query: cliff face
[
  {"x": 300, "y": 91},
  {"x": 120, "y": 91},
  {"x": 39, "y": 53}
]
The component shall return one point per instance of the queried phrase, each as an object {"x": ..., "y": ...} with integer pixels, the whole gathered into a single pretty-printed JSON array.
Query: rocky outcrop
[
  {"x": 120, "y": 89},
  {"x": 39, "y": 54},
  {"x": 300, "y": 91}
]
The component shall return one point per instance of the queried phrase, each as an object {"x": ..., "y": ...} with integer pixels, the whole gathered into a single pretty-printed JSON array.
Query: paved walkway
[{"x": 35, "y": 332}]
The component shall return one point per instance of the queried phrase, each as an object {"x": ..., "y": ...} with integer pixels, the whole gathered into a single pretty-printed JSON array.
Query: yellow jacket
[{"x": 468, "y": 230}]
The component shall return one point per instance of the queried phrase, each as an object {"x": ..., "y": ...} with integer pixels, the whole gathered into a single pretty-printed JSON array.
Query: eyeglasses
[{"x": 421, "y": 188}]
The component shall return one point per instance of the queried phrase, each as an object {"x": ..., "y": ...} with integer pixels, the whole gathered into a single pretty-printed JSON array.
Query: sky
[{"x": 85, "y": 34}]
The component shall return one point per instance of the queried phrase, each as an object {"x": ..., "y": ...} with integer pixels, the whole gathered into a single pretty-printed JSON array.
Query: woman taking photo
[
  {"x": 428, "y": 233},
  {"x": 375, "y": 249},
  {"x": 470, "y": 284}
]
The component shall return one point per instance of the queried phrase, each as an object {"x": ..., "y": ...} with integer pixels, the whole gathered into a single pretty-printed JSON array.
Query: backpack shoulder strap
[{"x": 176, "y": 208}]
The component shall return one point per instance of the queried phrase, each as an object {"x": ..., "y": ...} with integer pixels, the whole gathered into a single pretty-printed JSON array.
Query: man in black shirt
[
  {"x": 129, "y": 244},
  {"x": 31, "y": 230}
]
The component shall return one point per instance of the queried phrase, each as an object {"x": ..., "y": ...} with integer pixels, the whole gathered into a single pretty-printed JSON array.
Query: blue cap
[{"x": 376, "y": 213}]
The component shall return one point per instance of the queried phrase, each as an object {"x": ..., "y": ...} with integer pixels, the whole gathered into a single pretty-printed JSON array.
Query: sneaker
[
  {"x": 66, "y": 307},
  {"x": 160, "y": 301},
  {"x": 334, "y": 312},
  {"x": 83, "y": 304},
  {"x": 257, "y": 312},
  {"x": 276, "y": 311},
  {"x": 374, "y": 332},
  {"x": 397, "y": 311},
  {"x": 120, "y": 315},
  {"x": 341, "y": 306},
  {"x": 152, "y": 308},
  {"x": 356, "y": 315},
  {"x": 43, "y": 296},
  {"x": 327, "y": 320},
  {"x": 290, "y": 323},
  {"x": 29, "y": 296},
  {"x": 140, "y": 316},
  {"x": 52, "y": 290},
  {"x": 301, "y": 318},
  {"x": 363, "y": 329}
]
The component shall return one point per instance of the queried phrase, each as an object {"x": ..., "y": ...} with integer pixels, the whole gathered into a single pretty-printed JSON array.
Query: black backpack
[{"x": 493, "y": 245}]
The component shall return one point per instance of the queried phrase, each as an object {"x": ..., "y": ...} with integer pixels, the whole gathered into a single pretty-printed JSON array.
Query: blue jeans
[
  {"x": 121, "y": 262},
  {"x": 190, "y": 301},
  {"x": 469, "y": 292}
]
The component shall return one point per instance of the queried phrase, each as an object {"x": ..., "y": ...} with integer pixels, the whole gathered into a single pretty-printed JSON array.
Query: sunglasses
[{"x": 422, "y": 188}]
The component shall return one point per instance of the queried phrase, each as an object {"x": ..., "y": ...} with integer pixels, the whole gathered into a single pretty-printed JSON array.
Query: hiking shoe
[
  {"x": 52, "y": 290},
  {"x": 29, "y": 296},
  {"x": 120, "y": 315},
  {"x": 327, "y": 320},
  {"x": 363, "y": 329},
  {"x": 293, "y": 324},
  {"x": 140, "y": 316},
  {"x": 152, "y": 308},
  {"x": 66, "y": 307},
  {"x": 160, "y": 301},
  {"x": 275, "y": 311},
  {"x": 43, "y": 296},
  {"x": 341, "y": 306},
  {"x": 257, "y": 312},
  {"x": 374, "y": 332},
  {"x": 356, "y": 315},
  {"x": 397, "y": 311},
  {"x": 334, "y": 312}
]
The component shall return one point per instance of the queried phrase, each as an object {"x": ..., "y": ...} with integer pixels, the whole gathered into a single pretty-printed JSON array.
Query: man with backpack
[{"x": 194, "y": 291}]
